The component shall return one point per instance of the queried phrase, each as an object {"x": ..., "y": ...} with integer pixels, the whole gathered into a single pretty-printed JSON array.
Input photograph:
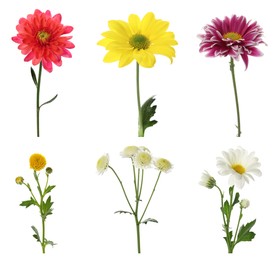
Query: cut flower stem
[
  {"x": 140, "y": 118},
  {"x": 232, "y": 68}
]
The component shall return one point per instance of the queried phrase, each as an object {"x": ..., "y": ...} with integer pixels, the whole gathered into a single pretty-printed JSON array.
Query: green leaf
[
  {"x": 122, "y": 211},
  {"x": 28, "y": 203},
  {"x": 244, "y": 233},
  {"x": 230, "y": 236},
  {"x": 236, "y": 200},
  {"x": 226, "y": 208},
  {"x": 49, "y": 101},
  {"x": 149, "y": 220},
  {"x": 49, "y": 189},
  {"x": 48, "y": 242},
  {"x": 231, "y": 190},
  {"x": 36, "y": 235},
  {"x": 33, "y": 74},
  {"x": 148, "y": 111},
  {"x": 46, "y": 207}
]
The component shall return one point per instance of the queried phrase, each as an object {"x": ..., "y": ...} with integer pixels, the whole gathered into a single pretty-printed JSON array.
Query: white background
[{"x": 96, "y": 113}]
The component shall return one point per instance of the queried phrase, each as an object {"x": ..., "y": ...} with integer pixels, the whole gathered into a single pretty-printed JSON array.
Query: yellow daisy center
[
  {"x": 232, "y": 35},
  {"x": 43, "y": 36},
  {"x": 37, "y": 162},
  {"x": 139, "y": 41},
  {"x": 239, "y": 168}
]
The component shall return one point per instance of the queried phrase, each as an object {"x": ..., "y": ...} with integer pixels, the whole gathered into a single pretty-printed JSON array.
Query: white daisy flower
[
  {"x": 129, "y": 151},
  {"x": 207, "y": 180},
  {"x": 103, "y": 163},
  {"x": 240, "y": 165},
  {"x": 163, "y": 165},
  {"x": 142, "y": 159}
]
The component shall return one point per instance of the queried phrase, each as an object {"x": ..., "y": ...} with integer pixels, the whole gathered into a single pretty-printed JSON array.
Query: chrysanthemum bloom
[
  {"x": 129, "y": 151},
  {"x": 41, "y": 38},
  {"x": 234, "y": 37},
  {"x": 240, "y": 165},
  {"x": 19, "y": 180},
  {"x": 207, "y": 180},
  {"x": 163, "y": 165},
  {"x": 244, "y": 203},
  {"x": 103, "y": 163},
  {"x": 139, "y": 40},
  {"x": 37, "y": 162},
  {"x": 142, "y": 159}
]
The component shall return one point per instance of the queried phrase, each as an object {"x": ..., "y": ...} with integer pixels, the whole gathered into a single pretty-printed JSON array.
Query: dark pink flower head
[
  {"x": 40, "y": 38},
  {"x": 232, "y": 36}
]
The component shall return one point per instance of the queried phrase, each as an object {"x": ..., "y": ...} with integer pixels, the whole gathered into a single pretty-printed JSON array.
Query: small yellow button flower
[{"x": 37, "y": 162}]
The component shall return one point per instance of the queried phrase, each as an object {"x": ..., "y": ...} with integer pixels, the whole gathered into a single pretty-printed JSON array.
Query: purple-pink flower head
[{"x": 232, "y": 36}]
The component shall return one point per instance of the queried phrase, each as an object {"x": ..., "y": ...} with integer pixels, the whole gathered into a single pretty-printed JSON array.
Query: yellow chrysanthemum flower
[
  {"x": 37, "y": 162},
  {"x": 138, "y": 40}
]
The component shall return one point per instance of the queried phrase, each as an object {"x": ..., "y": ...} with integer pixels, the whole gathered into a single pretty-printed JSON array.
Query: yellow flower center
[
  {"x": 239, "y": 168},
  {"x": 139, "y": 41},
  {"x": 232, "y": 35},
  {"x": 43, "y": 36},
  {"x": 37, "y": 162}
]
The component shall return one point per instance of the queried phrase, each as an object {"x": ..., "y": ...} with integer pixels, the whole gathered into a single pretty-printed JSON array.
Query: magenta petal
[
  {"x": 244, "y": 57},
  {"x": 255, "y": 52}
]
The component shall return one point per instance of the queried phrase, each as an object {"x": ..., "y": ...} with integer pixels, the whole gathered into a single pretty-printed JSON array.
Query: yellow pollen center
[
  {"x": 139, "y": 41},
  {"x": 239, "y": 168},
  {"x": 232, "y": 35},
  {"x": 43, "y": 36}
]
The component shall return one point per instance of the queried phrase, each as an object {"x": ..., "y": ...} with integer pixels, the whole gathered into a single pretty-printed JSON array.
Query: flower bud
[
  {"x": 48, "y": 170},
  {"x": 207, "y": 180},
  {"x": 19, "y": 180},
  {"x": 244, "y": 204}
]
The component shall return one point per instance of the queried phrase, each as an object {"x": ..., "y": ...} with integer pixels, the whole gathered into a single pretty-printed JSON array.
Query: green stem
[
  {"x": 122, "y": 189},
  {"x": 38, "y": 100},
  {"x": 33, "y": 196},
  {"x": 140, "y": 119},
  {"x": 238, "y": 223},
  {"x": 150, "y": 197},
  {"x": 138, "y": 234},
  {"x": 226, "y": 223},
  {"x": 232, "y": 66},
  {"x": 141, "y": 185}
]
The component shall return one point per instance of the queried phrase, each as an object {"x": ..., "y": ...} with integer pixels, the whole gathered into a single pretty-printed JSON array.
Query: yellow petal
[
  {"x": 111, "y": 56},
  {"x": 144, "y": 58},
  {"x": 159, "y": 27},
  {"x": 168, "y": 38},
  {"x": 147, "y": 23},
  {"x": 167, "y": 51},
  {"x": 120, "y": 27},
  {"x": 126, "y": 58},
  {"x": 115, "y": 36},
  {"x": 104, "y": 42},
  {"x": 118, "y": 46},
  {"x": 134, "y": 23}
]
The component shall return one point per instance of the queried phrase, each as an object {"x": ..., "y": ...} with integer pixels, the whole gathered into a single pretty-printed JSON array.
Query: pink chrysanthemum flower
[
  {"x": 40, "y": 39},
  {"x": 232, "y": 36}
]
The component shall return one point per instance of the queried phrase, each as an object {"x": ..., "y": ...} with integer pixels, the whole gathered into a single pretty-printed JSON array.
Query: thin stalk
[
  {"x": 140, "y": 119},
  {"x": 238, "y": 223},
  {"x": 232, "y": 66},
  {"x": 226, "y": 225},
  {"x": 33, "y": 196},
  {"x": 38, "y": 100},
  {"x": 141, "y": 184},
  {"x": 122, "y": 189},
  {"x": 150, "y": 197}
]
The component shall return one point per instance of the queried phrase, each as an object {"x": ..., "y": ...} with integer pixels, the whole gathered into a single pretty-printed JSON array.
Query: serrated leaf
[
  {"x": 236, "y": 200},
  {"x": 36, "y": 235},
  {"x": 46, "y": 207},
  {"x": 49, "y": 189},
  {"x": 49, "y": 101},
  {"x": 33, "y": 74},
  {"x": 148, "y": 111},
  {"x": 244, "y": 233},
  {"x": 48, "y": 242},
  {"x": 122, "y": 212},
  {"x": 28, "y": 203},
  {"x": 226, "y": 208},
  {"x": 149, "y": 220}
]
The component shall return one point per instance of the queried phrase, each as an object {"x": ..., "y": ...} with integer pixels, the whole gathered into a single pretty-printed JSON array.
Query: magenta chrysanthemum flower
[
  {"x": 232, "y": 36},
  {"x": 40, "y": 38}
]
